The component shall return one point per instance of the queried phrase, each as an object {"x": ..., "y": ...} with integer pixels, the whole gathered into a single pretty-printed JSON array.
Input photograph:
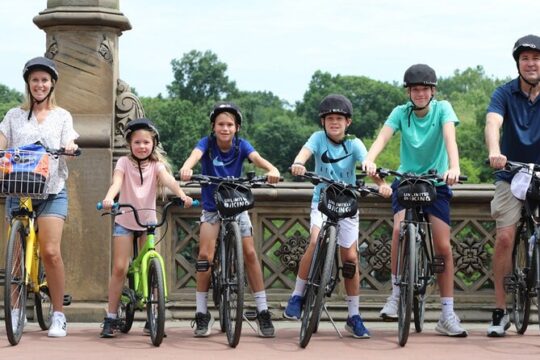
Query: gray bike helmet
[
  {"x": 40, "y": 63},
  {"x": 335, "y": 104},
  {"x": 142, "y": 123},
  {"x": 226, "y": 106},
  {"x": 528, "y": 42},
  {"x": 419, "y": 74}
]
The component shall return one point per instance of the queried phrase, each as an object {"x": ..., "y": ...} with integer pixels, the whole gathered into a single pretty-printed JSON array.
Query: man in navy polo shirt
[{"x": 514, "y": 107}]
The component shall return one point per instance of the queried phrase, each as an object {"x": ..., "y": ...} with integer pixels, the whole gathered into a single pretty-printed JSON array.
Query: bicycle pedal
[
  {"x": 67, "y": 300},
  {"x": 251, "y": 315},
  {"x": 437, "y": 265},
  {"x": 509, "y": 283},
  {"x": 45, "y": 289}
]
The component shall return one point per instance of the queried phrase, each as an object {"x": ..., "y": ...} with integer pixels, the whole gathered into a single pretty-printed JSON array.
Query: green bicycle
[{"x": 147, "y": 287}]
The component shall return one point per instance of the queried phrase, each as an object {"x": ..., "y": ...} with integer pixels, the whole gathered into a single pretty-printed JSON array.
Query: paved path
[{"x": 83, "y": 342}]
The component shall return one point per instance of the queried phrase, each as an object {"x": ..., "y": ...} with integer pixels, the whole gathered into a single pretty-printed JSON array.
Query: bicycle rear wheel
[
  {"x": 521, "y": 273},
  {"x": 419, "y": 300},
  {"x": 155, "y": 306},
  {"x": 15, "y": 290},
  {"x": 316, "y": 290},
  {"x": 407, "y": 259},
  {"x": 42, "y": 300},
  {"x": 232, "y": 301}
]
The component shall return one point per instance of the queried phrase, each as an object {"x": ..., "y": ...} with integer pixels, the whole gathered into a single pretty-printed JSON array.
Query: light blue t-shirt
[
  {"x": 335, "y": 161},
  {"x": 422, "y": 140}
]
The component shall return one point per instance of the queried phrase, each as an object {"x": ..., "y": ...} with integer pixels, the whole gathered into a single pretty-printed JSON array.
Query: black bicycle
[
  {"x": 337, "y": 201},
  {"x": 233, "y": 196},
  {"x": 417, "y": 263},
  {"x": 524, "y": 282}
]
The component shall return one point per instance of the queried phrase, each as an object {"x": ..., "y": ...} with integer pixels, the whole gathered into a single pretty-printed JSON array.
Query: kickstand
[
  {"x": 332, "y": 321},
  {"x": 246, "y": 319}
]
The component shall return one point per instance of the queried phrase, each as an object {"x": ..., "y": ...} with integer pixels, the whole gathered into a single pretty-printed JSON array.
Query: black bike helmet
[
  {"x": 226, "y": 106},
  {"x": 419, "y": 74},
  {"x": 40, "y": 63},
  {"x": 528, "y": 42},
  {"x": 335, "y": 104},
  {"x": 137, "y": 124}
]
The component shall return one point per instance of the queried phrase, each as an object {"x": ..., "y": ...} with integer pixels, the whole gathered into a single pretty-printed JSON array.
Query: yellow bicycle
[{"x": 24, "y": 272}]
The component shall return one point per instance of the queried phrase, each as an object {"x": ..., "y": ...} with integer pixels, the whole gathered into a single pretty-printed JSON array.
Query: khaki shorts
[{"x": 505, "y": 207}]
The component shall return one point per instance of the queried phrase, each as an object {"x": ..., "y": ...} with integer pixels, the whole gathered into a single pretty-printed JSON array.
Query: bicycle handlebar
[
  {"x": 431, "y": 175},
  {"x": 360, "y": 187},
  {"x": 117, "y": 206},
  {"x": 250, "y": 179},
  {"x": 514, "y": 166}
]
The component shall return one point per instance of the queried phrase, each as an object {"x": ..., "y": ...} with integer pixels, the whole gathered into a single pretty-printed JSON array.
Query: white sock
[
  {"x": 201, "y": 299},
  {"x": 59, "y": 314},
  {"x": 447, "y": 304},
  {"x": 260, "y": 300},
  {"x": 352, "y": 304},
  {"x": 395, "y": 288},
  {"x": 112, "y": 315},
  {"x": 299, "y": 287}
]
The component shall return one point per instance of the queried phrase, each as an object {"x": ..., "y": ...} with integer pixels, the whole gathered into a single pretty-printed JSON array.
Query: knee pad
[
  {"x": 202, "y": 265},
  {"x": 348, "y": 270}
]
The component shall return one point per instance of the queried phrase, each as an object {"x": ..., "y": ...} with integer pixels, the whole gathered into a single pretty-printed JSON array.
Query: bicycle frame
[{"x": 139, "y": 267}]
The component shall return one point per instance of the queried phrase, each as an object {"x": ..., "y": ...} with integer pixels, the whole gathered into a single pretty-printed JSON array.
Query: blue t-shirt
[
  {"x": 520, "y": 140},
  {"x": 218, "y": 163},
  {"x": 335, "y": 161},
  {"x": 422, "y": 142}
]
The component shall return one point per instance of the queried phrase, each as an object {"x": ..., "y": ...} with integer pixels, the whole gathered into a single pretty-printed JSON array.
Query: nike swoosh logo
[
  {"x": 329, "y": 160},
  {"x": 218, "y": 162}
]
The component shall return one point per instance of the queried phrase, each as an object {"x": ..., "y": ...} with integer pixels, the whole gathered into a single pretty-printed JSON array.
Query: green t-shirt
[{"x": 422, "y": 140}]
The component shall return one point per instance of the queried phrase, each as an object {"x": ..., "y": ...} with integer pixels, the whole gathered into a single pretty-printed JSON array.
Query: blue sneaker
[
  {"x": 355, "y": 326},
  {"x": 293, "y": 311}
]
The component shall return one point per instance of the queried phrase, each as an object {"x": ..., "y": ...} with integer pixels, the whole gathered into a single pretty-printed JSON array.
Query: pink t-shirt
[{"x": 141, "y": 196}]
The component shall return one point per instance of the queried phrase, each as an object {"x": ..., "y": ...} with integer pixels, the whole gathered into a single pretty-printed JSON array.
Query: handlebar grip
[
  {"x": 463, "y": 177},
  {"x": 195, "y": 203},
  {"x": 99, "y": 205}
]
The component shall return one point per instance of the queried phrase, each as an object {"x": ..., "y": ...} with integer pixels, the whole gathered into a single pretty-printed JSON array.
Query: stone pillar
[{"x": 82, "y": 39}]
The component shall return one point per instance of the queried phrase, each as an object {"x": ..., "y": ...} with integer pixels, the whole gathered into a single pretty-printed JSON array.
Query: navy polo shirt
[{"x": 520, "y": 139}]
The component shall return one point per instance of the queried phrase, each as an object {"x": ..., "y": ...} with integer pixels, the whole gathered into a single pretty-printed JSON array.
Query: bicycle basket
[
  {"x": 416, "y": 192},
  {"x": 231, "y": 198},
  {"x": 338, "y": 202},
  {"x": 24, "y": 171}
]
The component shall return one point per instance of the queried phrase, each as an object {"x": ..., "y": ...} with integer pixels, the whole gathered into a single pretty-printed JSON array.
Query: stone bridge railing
[{"x": 281, "y": 225}]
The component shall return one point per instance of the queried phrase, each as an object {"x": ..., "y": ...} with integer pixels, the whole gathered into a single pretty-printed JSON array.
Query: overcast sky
[{"x": 277, "y": 45}]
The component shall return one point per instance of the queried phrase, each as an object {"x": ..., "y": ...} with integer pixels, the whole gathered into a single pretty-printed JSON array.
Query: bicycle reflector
[
  {"x": 232, "y": 199},
  {"x": 416, "y": 192},
  {"x": 338, "y": 202}
]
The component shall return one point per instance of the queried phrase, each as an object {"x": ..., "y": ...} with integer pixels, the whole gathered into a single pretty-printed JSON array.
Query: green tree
[
  {"x": 200, "y": 77},
  {"x": 8, "y": 98}
]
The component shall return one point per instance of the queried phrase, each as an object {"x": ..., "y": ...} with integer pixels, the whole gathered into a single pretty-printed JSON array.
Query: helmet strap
[
  {"x": 34, "y": 101},
  {"x": 415, "y": 107}
]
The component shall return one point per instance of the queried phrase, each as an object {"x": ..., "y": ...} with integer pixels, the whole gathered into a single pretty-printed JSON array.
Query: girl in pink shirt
[{"x": 136, "y": 179}]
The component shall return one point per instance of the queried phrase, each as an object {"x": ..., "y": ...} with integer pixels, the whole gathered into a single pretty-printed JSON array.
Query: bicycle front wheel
[
  {"x": 521, "y": 273},
  {"x": 155, "y": 307},
  {"x": 316, "y": 287},
  {"x": 232, "y": 302},
  {"x": 42, "y": 300},
  {"x": 406, "y": 275},
  {"x": 15, "y": 290},
  {"x": 419, "y": 300}
]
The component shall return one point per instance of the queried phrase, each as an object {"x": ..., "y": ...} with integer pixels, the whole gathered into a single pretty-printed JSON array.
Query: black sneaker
[
  {"x": 108, "y": 328},
  {"x": 204, "y": 324},
  {"x": 264, "y": 320}
]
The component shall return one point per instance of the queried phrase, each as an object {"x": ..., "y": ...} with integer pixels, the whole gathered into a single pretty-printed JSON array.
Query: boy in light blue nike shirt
[{"x": 336, "y": 155}]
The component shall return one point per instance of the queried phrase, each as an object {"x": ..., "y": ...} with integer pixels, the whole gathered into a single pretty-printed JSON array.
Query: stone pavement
[{"x": 83, "y": 342}]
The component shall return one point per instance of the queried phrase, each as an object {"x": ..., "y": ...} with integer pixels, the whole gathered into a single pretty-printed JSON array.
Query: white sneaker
[
  {"x": 500, "y": 322},
  {"x": 58, "y": 326},
  {"x": 390, "y": 309},
  {"x": 15, "y": 319},
  {"x": 451, "y": 326}
]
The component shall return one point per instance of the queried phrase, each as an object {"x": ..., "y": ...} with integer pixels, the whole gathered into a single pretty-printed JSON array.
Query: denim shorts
[
  {"x": 440, "y": 208},
  {"x": 246, "y": 230},
  {"x": 55, "y": 205}
]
